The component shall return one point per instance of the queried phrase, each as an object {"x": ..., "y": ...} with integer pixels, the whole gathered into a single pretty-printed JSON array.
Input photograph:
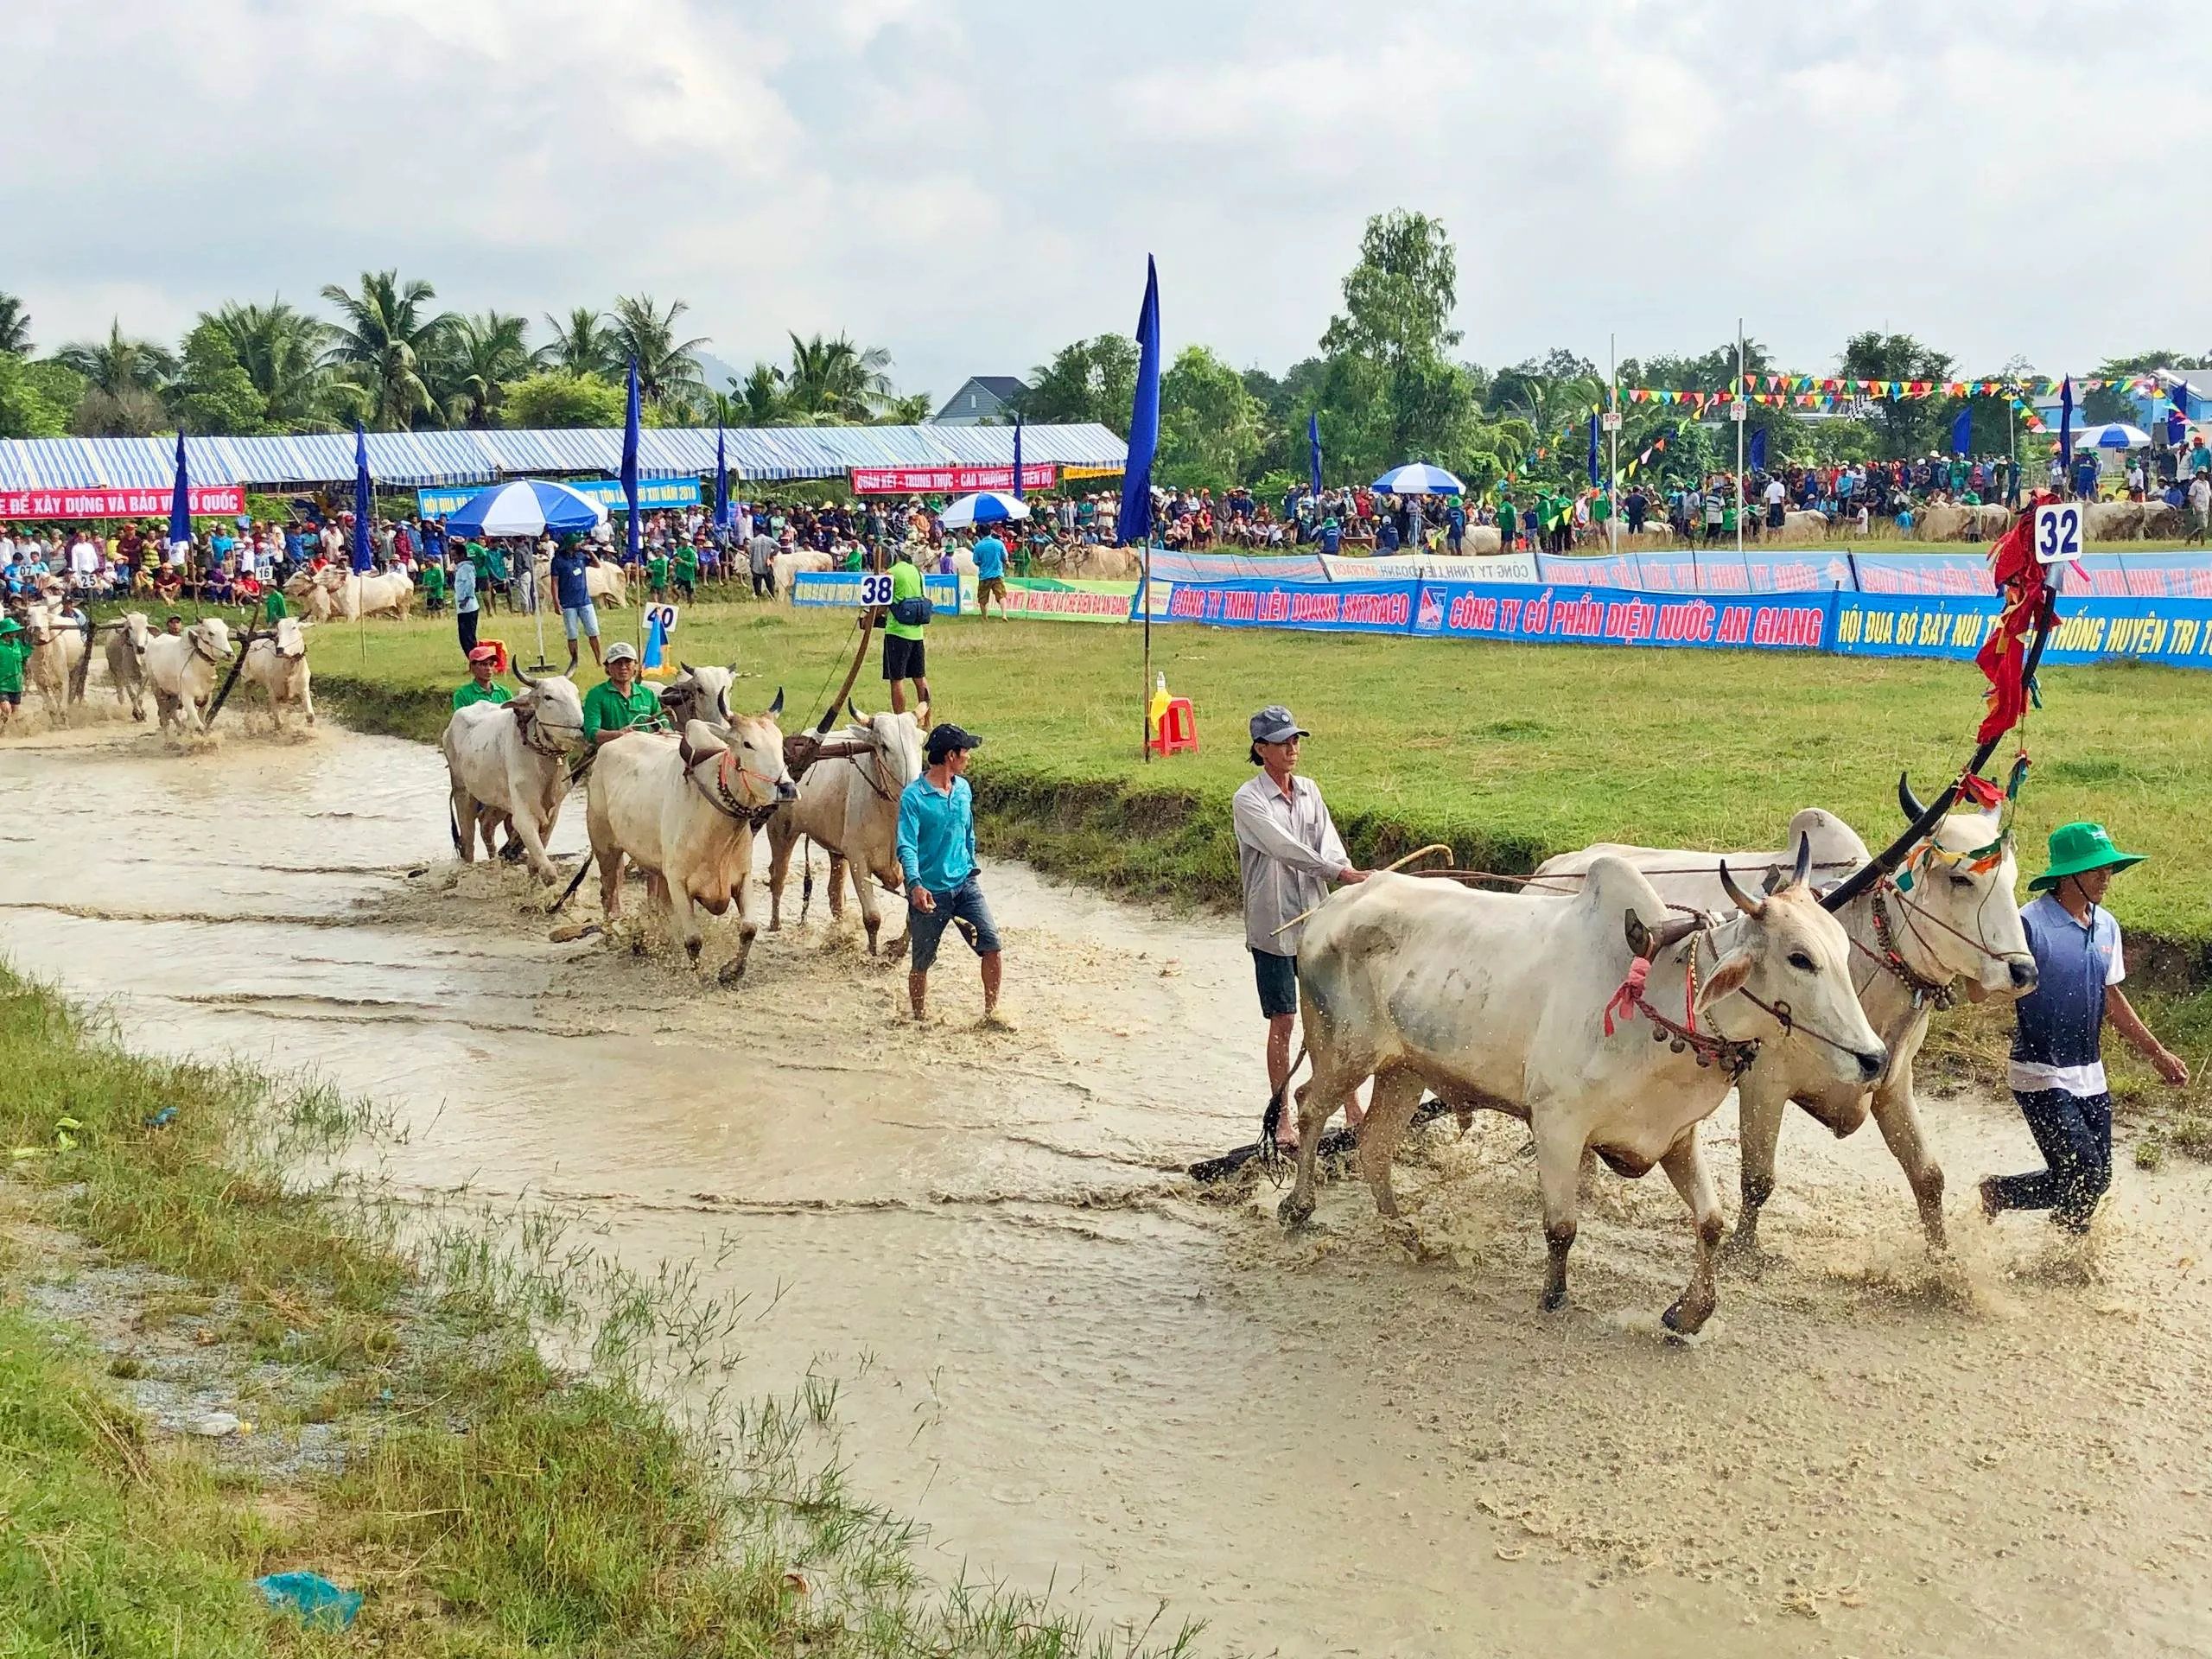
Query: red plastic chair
[{"x": 1179, "y": 728}]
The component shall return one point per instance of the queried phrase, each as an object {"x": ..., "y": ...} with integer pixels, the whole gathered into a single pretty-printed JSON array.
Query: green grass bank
[
  {"x": 1507, "y": 752},
  {"x": 410, "y": 1440}
]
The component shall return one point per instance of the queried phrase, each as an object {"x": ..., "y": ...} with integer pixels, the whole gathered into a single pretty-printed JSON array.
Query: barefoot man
[
  {"x": 1288, "y": 850},
  {"x": 936, "y": 853}
]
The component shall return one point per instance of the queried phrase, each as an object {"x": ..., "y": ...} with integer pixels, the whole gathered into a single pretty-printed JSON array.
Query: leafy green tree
[
  {"x": 1902, "y": 426},
  {"x": 834, "y": 382},
  {"x": 212, "y": 392},
  {"x": 757, "y": 400},
  {"x": 388, "y": 336},
  {"x": 116, "y": 365},
  {"x": 14, "y": 328},
  {"x": 1089, "y": 380},
  {"x": 554, "y": 397},
  {"x": 480, "y": 356},
  {"x": 25, "y": 409},
  {"x": 1210, "y": 426},
  {"x": 640, "y": 331},
  {"x": 580, "y": 345},
  {"x": 1399, "y": 298},
  {"x": 281, "y": 349}
]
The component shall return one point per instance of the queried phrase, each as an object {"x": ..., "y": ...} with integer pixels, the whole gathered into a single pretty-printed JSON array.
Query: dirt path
[{"x": 1068, "y": 1361}]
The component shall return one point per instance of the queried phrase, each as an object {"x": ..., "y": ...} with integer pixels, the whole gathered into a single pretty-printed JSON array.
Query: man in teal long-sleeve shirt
[{"x": 936, "y": 855}]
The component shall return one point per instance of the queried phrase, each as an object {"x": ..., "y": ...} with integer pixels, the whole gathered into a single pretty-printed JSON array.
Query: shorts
[
  {"x": 13, "y": 699},
  {"x": 986, "y": 586},
  {"x": 584, "y": 616},
  {"x": 902, "y": 657},
  {"x": 925, "y": 929},
  {"x": 1278, "y": 978}
]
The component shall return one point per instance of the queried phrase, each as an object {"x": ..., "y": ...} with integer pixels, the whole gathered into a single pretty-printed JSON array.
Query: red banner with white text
[
  {"x": 948, "y": 480},
  {"x": 211, "y": 500}
]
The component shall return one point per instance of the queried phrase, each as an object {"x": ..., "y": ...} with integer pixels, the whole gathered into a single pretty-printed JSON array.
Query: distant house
[{"x": 986, "y": 400}]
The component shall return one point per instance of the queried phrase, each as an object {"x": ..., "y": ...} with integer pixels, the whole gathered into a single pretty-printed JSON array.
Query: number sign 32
[{"x": 2058, "y": 532}]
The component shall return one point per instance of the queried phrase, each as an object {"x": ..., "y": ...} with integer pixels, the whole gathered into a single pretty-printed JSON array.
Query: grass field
[{"x": 1509, "y": 753}]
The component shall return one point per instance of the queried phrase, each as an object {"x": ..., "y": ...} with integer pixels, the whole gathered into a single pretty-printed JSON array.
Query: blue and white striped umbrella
[
  {"x": 984, "y": 507},
  {"x": 1419, "y": 477},
  {"x": 2117, "y": 434},
  {"x": 529, "y": 506}
]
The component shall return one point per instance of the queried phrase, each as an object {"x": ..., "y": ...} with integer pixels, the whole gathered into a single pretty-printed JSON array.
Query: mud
[{"x": 1072, "y": 1364}]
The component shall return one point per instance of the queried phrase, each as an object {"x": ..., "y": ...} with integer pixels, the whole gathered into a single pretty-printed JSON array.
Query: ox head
[
  {"x": 1785, "y": 975},
  {"x": 748, "y": 753},
  {"x": 211, "y": 638},
  {"x": 1953, "y": 913},
  {"x": 898, "y": 740},
  {"x": 137, "y": 632},
  {"x": 699, "y": 694},
  {"x": 553, "y": 700},
  {"x": 291, "y": 640}
]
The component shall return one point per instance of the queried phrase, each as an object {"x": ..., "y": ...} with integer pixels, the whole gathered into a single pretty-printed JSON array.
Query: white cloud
[{"x": 973, "y": 184}]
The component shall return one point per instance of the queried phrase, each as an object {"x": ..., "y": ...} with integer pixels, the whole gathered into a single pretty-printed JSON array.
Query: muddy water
[{"x": 1069, "y": 1364}]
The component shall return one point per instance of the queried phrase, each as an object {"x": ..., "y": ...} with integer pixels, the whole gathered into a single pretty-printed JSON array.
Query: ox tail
[
  {"x": 453, "y": 822},
  {"x": 1271, "y": 1121},
  {"x": 806, "y": 875}
]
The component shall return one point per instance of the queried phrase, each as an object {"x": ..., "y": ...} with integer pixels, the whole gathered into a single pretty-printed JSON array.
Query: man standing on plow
[
  {"x": 1289, "y": 851},
  {"x": 2057, "y": 1071}
]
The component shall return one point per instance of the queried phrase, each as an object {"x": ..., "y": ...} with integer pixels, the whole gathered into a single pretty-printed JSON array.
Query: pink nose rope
[{"x": 1630, "y": 992}]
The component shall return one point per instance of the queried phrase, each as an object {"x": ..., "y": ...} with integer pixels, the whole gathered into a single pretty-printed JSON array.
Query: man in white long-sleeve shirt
[{"x": 1289, "y": 851}]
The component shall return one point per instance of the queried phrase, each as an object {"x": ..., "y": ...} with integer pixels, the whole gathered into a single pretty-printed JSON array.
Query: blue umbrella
[
  {"x": 984, "y": 507},
  {"x": 1419, "y": 477},
  {"x": 364, "y": 556},
  {"x": 2114, "y": 435},
  {"x": 528, "y": 506}
]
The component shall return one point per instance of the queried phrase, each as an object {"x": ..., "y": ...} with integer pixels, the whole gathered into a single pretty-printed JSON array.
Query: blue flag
[
  {"x": 1593, "y": 448},
  {"x": 2066, "y": 422},
  {"x": 1017, "y": 457},
  {"x": 656, "y": 639},
  {"x": 1313, "y": 453},
  {"x": 630, "y": 464},
  {"x": 364, "y": 558},
  {"x": 1962, "y": 432},
  {"x": 180, "y": 500},
  {"x": 1134, "y": 523},
  {"x": 721, "y": 483},
  {"x": 1758, "y": 450}
]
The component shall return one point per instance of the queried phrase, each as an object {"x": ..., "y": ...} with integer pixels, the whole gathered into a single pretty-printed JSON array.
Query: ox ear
[
  {"x": 777, "y": 707},
  {"x": 1728, "y": 975}
]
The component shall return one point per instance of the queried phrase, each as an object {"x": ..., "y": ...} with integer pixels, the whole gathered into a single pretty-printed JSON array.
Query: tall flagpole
[
  {"x": 1613, "y": 472},
  {"x": 1741, "y": 412}
]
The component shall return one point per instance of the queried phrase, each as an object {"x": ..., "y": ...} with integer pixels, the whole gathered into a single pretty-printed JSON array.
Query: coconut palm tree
[
  {"x": 480, "y": 356},
  {"x": 834, "y": 380},
  {"x": 579, "y": 346},
  {"x": 14, "y": 327},
  {"x": 641, "y": 331},
  {"x": 387, "y": 336},
  {"x": 116, "y": 366},
  {"x": 281, "y": 349},
  {"x": 757, "y": 400}
]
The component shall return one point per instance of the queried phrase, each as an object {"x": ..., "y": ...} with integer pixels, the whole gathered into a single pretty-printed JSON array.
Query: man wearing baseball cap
[
  {"x": 1288, "y": 851},
  {"x": 619, "y": 703},
  {"x": 2057, "y": 1071},
  {"x": 480, "y": 686},
  {"x": 937, "y": 854}
]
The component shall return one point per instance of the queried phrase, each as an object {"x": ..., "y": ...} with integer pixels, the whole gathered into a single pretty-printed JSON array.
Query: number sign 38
[
  {"x": 2058, "y": 532},
  {"x": 875, "y": 588}
]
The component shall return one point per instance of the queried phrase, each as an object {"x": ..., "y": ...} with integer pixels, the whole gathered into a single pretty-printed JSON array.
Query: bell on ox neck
[
  {"x": 1704, "y": 1058},
  {"x": 1678, "y": 1046},
  {"x": 1658, "y": 1033}
]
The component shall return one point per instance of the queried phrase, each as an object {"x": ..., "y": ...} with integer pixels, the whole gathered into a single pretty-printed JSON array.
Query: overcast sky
[{"x": 972, "y": 183}]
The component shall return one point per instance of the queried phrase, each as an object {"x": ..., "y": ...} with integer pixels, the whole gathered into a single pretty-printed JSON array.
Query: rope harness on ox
[
  {"x": 1710, "y": 1047},
  {"x": 728, "y": 805}
]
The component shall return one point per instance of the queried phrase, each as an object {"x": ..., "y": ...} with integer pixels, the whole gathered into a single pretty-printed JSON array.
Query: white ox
[
  {"x": 698, "y": 693},
  {"x": 604, "y": 582},
  {"x": 182, "y": 668},
  {"x": 278, "y": 664},
  {"x": 1954, "y": 925},
  {"x": 507, "y": 763},
  {"x": 685, "y": 809},
  {"x": 57, "y": 647},
  {"x": 335, "y": 593},
  {"x": 849, "y": 807},
  {"x": 784, "y": 566},
  {"x": 128, "y": 638},
  {"x": 1509, "y": 1001}
]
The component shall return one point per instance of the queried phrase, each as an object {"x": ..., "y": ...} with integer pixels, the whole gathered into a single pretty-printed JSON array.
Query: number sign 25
[
  {"x": 2058, "y": 532},
  {"x": 875, "y": 588}
]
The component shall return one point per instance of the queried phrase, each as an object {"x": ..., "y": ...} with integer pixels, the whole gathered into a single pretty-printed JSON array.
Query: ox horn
[
  {"x": 1804, "y": 867},
  {"x": 523, "y": 675},
  {"x": 1737, "y": 896},
  {"x": 777, "y": 707},
  {"x": 688, "y": 669},
  {"x": 1907, "y": 800},
  {"x": 853, "y": 709}
]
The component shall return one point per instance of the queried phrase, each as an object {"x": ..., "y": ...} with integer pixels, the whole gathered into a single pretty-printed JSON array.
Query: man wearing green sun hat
[{"x": 2057, "y": 1071}]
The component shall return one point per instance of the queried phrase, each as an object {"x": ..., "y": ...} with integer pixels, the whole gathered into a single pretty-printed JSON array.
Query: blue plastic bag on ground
[{"x": 314, "y": 1597}]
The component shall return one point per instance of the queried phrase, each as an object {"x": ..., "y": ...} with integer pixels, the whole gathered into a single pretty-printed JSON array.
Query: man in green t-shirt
[
  {"x": 273, "y": 607},
  {"x": 657, "y": 573},
  {"x": 903, "y": 653},
  {"x": 12, "y": 652},
  {"x": 434, "y": 587},
  {"x": 481, "y": 687},
  {"x": 684, "y": 567},
  {"x": 619, "y": 703}
]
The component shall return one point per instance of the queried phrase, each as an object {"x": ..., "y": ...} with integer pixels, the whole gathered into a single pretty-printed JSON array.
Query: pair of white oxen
[
  {"x": 183, "y": 670},
  {"x": 1613, "y": 1003},
  {"x": 685, "y": 807}
]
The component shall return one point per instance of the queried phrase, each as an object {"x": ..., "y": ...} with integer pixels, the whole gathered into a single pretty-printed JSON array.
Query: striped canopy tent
[{"x": 420, "y": 458}]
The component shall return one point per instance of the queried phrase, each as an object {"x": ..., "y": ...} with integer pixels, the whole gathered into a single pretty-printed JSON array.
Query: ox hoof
[
  {"x": 1294, "y": 1212},
  {"x": 692, "y": 948},
  {"x": 732, "y": 971},
  {"x": 1680, "y": 1323},
  {"x": 1554, "y": 1300}
]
